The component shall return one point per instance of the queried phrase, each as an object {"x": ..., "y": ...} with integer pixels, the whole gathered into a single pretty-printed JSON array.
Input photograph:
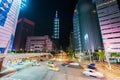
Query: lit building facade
[
  {"x": 56, "y": 30},
  {"x": 89, "y": 26},
  {"x": 72, "y": 41},
  {"x": 109, "y": 18},
  {"x": 9, "y": 11},
  {"x": 23, "y": 4},
  {"x": 76, "y": 31},
  {"x": 39, "y": 43},
  {"x": 56, "y": 26},
  {"x": 24, "y": 29}
]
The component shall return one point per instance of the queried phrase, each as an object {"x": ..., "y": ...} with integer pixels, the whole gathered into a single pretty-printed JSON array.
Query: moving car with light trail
[
  {"x": 93, "y": 73},
  {"x": 35, "y": 64},
  {"x": 52, "y": 66},
  {"x": 55, "y": 68},
  {"x": 50, "y": 63},
  {"x": 74, "y": 63}
]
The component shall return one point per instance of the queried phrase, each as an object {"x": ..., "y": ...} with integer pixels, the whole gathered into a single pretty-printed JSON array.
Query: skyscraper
[
  {"x": 76, "y": 31},
  {"x": 89, "y": 25},
  {"x": 71, "y": 42},
  {"x": 24, "y": 29},
  {"x": 9, "y": 11},
  {"x": 109, "y": 18},
  {"x": 56, "y": 26},
  {"x": 56, "y": 29}
]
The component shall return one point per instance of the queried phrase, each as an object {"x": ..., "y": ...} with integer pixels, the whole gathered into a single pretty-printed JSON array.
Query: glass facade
[
  {"x": 56, "y": 26},
  {"x": 76, "y": 31},
  {"x": 89, "y": 26},
  {"x": 9, "y": 10}
]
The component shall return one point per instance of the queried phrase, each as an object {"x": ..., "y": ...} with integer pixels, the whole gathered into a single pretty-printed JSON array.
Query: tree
[
  {"x": 70, "y": 53},
  {"x": 101, "y": 55}
]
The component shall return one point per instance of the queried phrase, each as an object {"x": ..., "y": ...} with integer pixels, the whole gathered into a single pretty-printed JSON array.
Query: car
[
  {"x": 20, "y": 63},
  {"x": 74, "y": 63},
  {"x": 41, "y": 60},
  {"x": 64, "y": 64},
  {"x": 93, "y": 73},
  {"x": 50, "y": 63},
  {"x": 55, "y": 68},
  {"x": 92, "y": 66},
  {"x": 35, "y": 64}
]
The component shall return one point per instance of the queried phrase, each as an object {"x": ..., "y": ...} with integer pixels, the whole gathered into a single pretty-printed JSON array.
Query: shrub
[{"x": 114, "y": 54}]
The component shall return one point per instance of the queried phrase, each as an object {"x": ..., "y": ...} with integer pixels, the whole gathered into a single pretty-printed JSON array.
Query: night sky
[{"x": 42, "y": 13}]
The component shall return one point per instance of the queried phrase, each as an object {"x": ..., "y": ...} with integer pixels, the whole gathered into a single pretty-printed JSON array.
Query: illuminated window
[{"x": 23, "y": 4}]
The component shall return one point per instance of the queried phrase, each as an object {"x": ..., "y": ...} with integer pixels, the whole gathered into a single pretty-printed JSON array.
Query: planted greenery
[
  {"x": 70, "y": 53},
  {"x": 53, "y": 53},
  {"x": 114, "y": 54},
  {"x": 101, "y": 55}
]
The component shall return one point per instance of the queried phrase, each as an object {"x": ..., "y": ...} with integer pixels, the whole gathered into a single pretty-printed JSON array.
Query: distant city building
[
  {"x": 39, "y": 43},
  {"x": 56, "y": 30},
  {"x": 89, "y": 26},
  {"x": 109, "y": 18},
  {"x": 56, "y": 26},
  {"x": 76, "y": 31},
  {"x": 9, "y": 11},
  {"x": 24, "y": 29}
]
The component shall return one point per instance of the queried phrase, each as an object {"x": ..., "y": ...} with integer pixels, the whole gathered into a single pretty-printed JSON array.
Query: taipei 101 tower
[{"x": 56, "y": 30}]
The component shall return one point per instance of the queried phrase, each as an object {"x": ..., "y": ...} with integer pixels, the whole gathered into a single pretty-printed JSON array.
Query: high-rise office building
[
  {"x": 56, "y": 30},
  {"x": 9, "y": 11},
  {"x": 109, "y": 18},
  {"x": 56, "y": 26},
  {"x": 71, "y": 42},
  {"x": 89, "y": 26},
  {"x": 24, "y": 29},
  {"x": 76, "y": 31}
]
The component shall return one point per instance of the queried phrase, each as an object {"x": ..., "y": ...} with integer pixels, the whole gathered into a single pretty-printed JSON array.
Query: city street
[
  {"x": 59, "y": 39},
  {"x": 43, "y": 73}
]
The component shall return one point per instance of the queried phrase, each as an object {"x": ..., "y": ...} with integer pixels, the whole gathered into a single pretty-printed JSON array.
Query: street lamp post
[
  {"x": 109, "y": 66},
  {"x": 107, "y": 58}
]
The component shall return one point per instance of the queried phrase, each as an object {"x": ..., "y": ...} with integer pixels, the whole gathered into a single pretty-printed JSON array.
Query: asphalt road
[{"x": 43, "y": 73}]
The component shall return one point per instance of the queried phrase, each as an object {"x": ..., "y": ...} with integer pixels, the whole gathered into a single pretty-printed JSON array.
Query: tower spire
[
  {"x": 56, "y": 15},
  {"x": 75, "y": 11}
]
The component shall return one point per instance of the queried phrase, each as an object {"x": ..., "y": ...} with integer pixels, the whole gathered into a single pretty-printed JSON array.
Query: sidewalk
[{"x": 113, "y": 74}]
